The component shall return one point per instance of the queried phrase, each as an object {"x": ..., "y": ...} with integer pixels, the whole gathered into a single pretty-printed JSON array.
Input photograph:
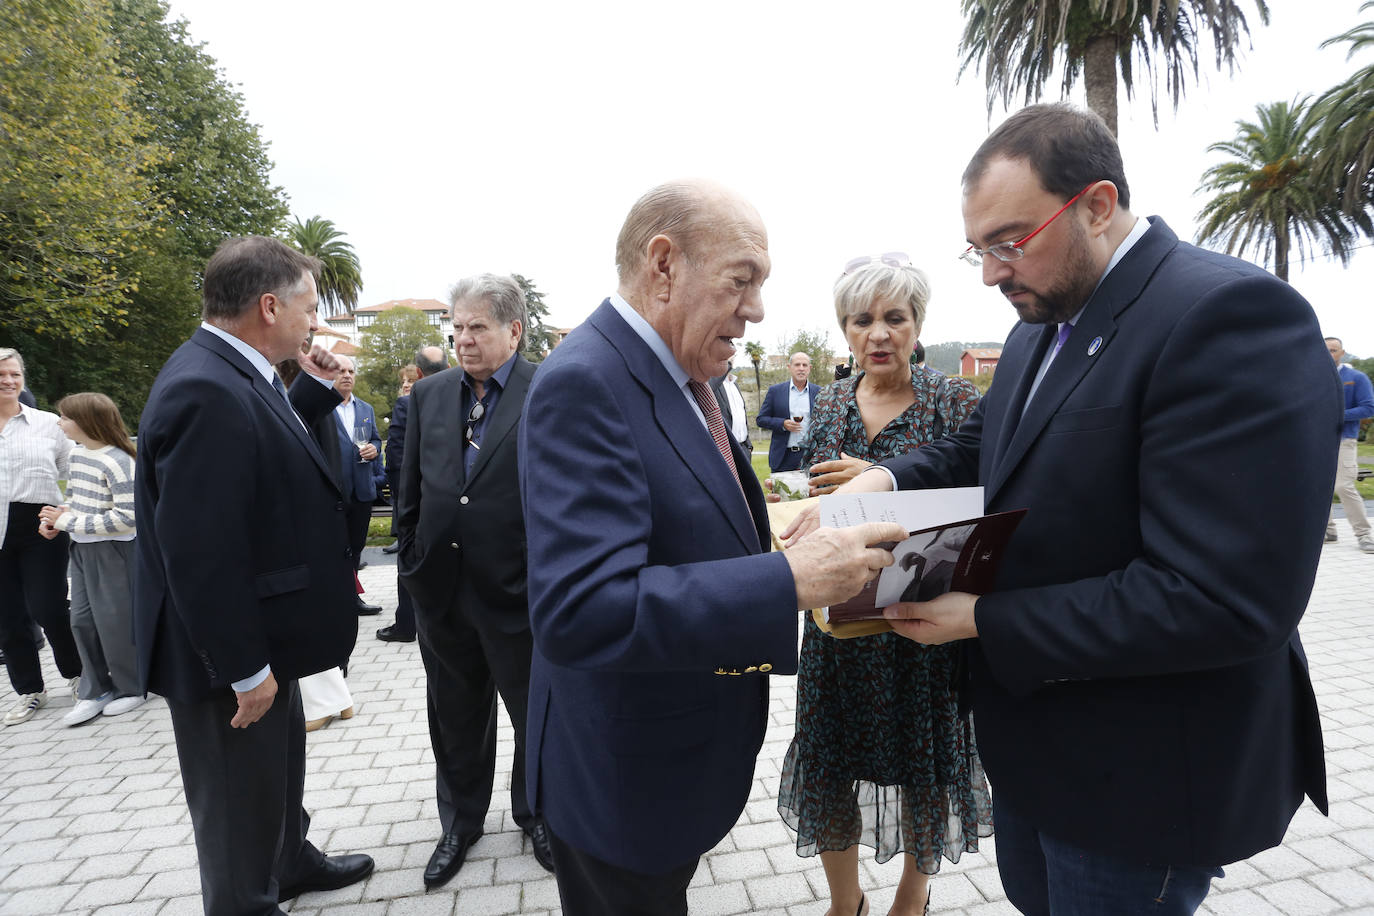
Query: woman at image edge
[{"x": 881, "y": 755}]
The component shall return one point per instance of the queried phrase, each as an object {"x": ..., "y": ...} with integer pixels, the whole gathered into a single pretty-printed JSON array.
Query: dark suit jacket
[
  {"x": 396, "y": 444},
  {"x": 1138, "y": 684},
  {"x": 463, "y": 537},
  {"x": 777, "y": 407},
  {"x": 652, "y": 613},
  {"x": 723, "y": 401},
  {"x": 242, "y": 557},
  {"x": 360, "y": 478}
]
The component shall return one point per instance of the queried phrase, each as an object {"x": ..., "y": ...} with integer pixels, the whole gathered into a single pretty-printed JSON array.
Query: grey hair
[
  {"x": 678, "y": 209},
  {"x": 855, "y": 292},
  {"x": 503, "y": 296},
  {"x": 11, "y": 353},
  {"x": 352, "y": 363}
]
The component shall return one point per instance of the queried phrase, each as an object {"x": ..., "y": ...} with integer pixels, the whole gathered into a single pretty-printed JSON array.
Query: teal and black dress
[{"x": 881, "y": 754}]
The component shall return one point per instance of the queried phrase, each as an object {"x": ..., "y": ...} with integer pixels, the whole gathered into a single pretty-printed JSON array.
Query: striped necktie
[{"x": 715, "y": 423}]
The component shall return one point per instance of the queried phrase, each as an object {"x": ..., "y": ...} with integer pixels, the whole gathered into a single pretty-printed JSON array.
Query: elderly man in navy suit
[
  {"x": 1143, "y": 704},
  {"x": 360, "y": 445},
  {"x": 242, "y": 583},
  {"x": 656, "y": 612}
]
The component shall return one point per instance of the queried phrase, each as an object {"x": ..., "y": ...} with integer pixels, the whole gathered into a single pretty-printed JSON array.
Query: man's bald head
[
  {"x": 429, "y": 360},
  {"x": 684, "y": 211}
]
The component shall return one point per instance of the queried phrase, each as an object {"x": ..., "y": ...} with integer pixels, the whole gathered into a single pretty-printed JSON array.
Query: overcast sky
[{"x": 451, "y": 138}]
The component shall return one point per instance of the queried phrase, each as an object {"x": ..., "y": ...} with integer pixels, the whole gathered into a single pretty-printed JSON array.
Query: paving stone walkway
[{"x": 92, "y": 820}]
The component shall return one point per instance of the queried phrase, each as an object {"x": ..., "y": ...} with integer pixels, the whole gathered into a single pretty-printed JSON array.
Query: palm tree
[
  {"x": 1268, "y": 197},
  {"x": 1020, "y": 43},
  {"x": 341, "y": 277},
  {"x": 755, "y": 351},
  {"x": 1346, "y": 136}
]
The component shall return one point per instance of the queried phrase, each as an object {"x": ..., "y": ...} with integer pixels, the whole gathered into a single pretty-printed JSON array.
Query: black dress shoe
[
  {"x": 362, "y": 564},
  {"x": 539, "y": 844},
  {"x": 448, "y": 858},
  {"x": 391, "y": 634},
  {"x": 332, "y": 873},
  {"x": 367, "y": 610},
  {"x": 393, "y": 547}
]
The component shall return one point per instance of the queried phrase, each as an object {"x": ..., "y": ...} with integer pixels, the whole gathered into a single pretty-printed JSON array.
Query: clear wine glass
[{"x": 362, "y": 434}]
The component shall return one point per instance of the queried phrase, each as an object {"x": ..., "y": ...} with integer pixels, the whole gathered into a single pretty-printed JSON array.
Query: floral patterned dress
[{"x": 881, "y": 755}]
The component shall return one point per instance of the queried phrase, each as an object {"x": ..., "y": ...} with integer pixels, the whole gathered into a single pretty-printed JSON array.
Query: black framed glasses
[
  {"x": 1011, "y": 251},
  {"x": 474, "y": 415}
]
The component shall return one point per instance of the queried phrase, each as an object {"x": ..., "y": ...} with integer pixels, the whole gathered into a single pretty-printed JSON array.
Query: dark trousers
[
  {"x": 244, "y": 788},
  {"x": 1047, "y": 877},
  {"x": 356, "y": 517},
  {"x": 791, "y": 461},
  {"x": 588, "y": 886},
  {"x": 33, "y": 584},
  {"x": 467, "y": 660},
  {"x": 405, "y": 609}
]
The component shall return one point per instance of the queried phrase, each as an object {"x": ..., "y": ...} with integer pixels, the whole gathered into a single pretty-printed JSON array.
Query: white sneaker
[
  {"x": 74, "y": 684},
  {"x": 122, "y": 705},
  {"x": 28, "y": 704},
  {"x": 1366, "y": 542},
  {"x": 86, "y": 710}
]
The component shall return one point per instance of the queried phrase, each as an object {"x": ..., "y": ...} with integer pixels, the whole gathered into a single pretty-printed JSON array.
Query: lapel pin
[{"x": 1094, "y": 346}]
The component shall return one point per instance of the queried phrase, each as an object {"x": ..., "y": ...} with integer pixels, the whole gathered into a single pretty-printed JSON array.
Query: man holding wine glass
[
  {"x": 357, "y": 424},
  {"x": 785, "y": 410}
]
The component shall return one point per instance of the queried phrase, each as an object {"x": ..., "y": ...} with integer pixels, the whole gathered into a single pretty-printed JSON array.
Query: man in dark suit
[
  {"x": 784, "y": 402},
  {"x": 362, "y": 471},
  {"x": 428, "y": 361},
  {"x": 657, "y": 613},
  {"x": 242, "y": 582},
  {"x": 1143, "y": 704},
  {"x": 462, "y": 559}
]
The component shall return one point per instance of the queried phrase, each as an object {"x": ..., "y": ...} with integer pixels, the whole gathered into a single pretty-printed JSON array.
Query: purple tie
[
  {"x": 1065, "y": 330},
  {"x": 715, "y": 423}
]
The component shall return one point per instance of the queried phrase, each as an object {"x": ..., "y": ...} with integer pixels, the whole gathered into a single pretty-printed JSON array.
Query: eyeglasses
[
  {"x": 1011, "y": 251},
  {"x": 477, "y": 412},
  {"x": 890, "y": 258}
]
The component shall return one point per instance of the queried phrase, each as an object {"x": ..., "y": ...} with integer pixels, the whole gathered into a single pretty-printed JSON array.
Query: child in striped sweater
[{"x": 99, "y": 516}]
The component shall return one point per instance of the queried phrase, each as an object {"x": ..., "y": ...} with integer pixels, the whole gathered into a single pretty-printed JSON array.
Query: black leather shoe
[
  {"x": 362, "y": 564},
  {"x": 393, "y": 547},
  {"x": 367, "y": 610},
  {"x": 448, "y": 858},
  {"x": 332, "y": 873},
  {"x": 391, "y": 634},
  {"x": 539, "y": 845}
]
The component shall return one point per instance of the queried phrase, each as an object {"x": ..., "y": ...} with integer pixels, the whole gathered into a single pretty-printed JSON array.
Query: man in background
[
  {"x": 355, "y": 418},
  {"x": 731, "y": 401},
  {"x": 462, "y": 559},
  {"x": 1359, "y": 404},
  {"x": 784, "y": 403}
]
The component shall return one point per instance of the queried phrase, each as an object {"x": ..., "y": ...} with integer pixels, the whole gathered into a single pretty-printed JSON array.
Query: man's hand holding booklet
[{"x": 952, "y": 547}]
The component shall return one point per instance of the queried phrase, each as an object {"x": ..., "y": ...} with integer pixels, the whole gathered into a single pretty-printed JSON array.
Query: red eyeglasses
[{"x": 1011, "y": 251}]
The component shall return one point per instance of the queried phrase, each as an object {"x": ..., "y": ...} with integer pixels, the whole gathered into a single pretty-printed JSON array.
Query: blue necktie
[{"x": 281, "y": 390}]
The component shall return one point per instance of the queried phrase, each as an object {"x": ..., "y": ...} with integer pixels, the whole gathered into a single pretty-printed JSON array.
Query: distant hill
[{"x": 945, "y": 356}]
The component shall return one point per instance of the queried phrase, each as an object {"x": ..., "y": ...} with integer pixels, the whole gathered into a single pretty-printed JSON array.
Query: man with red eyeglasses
[{"x": 1142, "y": 700}]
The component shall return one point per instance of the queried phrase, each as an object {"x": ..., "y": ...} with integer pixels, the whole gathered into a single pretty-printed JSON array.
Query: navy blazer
[
  {"x": 655, "y": 617},
  {"x": 396, "y": 444},
  {"x": 242, "y": 556},
  {"x": 360, "y": 478},
  {"x": 776, "y": 407},
  {"x": 1138, "y": 686},
  {"x": 462, "y": 536}
]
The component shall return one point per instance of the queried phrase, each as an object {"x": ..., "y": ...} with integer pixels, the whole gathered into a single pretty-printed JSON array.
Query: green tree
[
  {"x": 75, "y": 201},
  {"x": 538, "y": 338},
  {"x": 1020, "y": 44},
  {"x": 756, "y": 354},
  {"x": 387, "y": 345},
  {"x": 1345, "y": 138},
  {"x": 815, "y": 344},
  {"x": 341, "y": 277},
  {"x": 1267, "y": 197}
]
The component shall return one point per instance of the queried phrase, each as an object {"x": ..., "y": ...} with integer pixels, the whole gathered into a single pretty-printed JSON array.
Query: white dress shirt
[
  {"x": 799, "y": 403},
  {"x": 34, "y": 455}
]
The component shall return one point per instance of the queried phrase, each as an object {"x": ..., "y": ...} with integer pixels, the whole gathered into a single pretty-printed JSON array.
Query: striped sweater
[{"x": 100, "y": 496}]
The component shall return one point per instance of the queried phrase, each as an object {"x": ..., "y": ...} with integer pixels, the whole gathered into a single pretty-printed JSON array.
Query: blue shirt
[
  {"x": 490, "y": 398},
  {"x": 1359, "y": 399}
]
